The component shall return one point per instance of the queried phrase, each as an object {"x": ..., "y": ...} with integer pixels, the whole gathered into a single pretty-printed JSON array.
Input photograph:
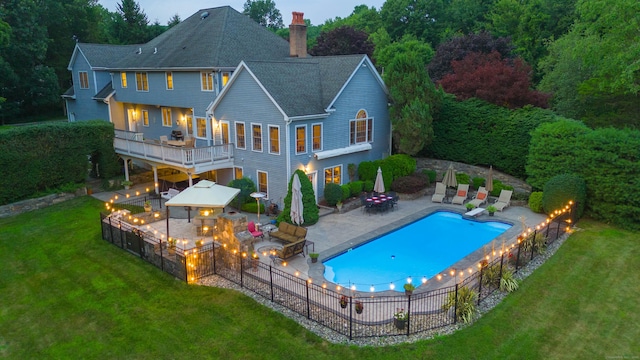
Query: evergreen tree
[
  {"x": 131, "y": 23},
  {"x": 310, "y": 211}
]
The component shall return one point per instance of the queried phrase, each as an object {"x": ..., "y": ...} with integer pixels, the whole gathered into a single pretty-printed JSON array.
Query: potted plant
[
  {"x": 491, "y": 209},
  {"x": 400, "y": 318},
  {"x": 470, "y": 206},
  {"x": 408, "y": 289},
  {"x": 147, "y": 206},
  {"x": 171, "y": 243},
  {"x": 344, "y": 301},
  {"x": 127, "y": 184},
  {"x": 314, "y": 257},
  {"x": 339, "y": 206},
  {"x": 359, "y": 307}
]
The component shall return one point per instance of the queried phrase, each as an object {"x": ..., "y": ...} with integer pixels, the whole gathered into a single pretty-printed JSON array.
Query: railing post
[
  {"x": 214, "y": 258},
  {"x": 455, "y": 307},
  {"x": 241, "y": 270},
  {"x": 501, "y": 264},
  {"x": 518, "y": 256},
  {"x": 350, "y": 318},
  {"x": 271, "y": 280},
  {"x": 533, "y": 244},
  {"x": 161, "y": 257},
  {"x": 409, "y": 316},
  {"x": 308, "y": 301},
  {"x": 479, "y": 285}
]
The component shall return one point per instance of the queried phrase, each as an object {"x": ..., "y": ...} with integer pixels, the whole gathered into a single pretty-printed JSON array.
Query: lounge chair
[
  {"x": 251, "y": 226},
  {"x": 441, "y": 192},
  {"x": 481, "y": 197},
  {"x": 164, "y": 139},
  {"x": 169, "y": 193},
  {"x": 461, "y": 194},
  {"x": 504, "y": 200}
]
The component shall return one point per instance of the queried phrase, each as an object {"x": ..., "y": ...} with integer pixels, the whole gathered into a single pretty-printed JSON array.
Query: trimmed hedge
[
  {"x": 39, "y": 157},
  {"x": 431, "y": 174},
  {"x": 356, "y": 187},
  {"x": 535, "y": 201},
  {"x": 333, "y": 193},
  {"x": 560, "y": 189},
  {"x": 478, "y": 133},
  {"x": 346, "y": 191}
]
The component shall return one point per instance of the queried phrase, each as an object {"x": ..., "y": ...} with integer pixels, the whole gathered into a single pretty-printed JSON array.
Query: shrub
[
  {"x": 252, "y": 207},
  {"x": 310, "y": 211},
  {"x": 507, "y": 282},
  {"x": 246, "y": 186},
  {"x": 410, "y": 184},
  {"x": 368, "y": 185},
  {"x": 356, "y": 187},
  {"x": 346, "y": 191},
  {"x": 491, "y": 276},
  {"x": 367, "y": 170},
  {"x": 535, "y": 201},
  {"x": 400, "y": 165},
  {"x": 477, "y": 182},
  {"x": 463, "y": 178},
  {"x": 466, "y": 303},
  {"x": 498, "y": 186},
  {"x": 562, "y": 188},
  {"x": 333, "y": 193},
  {"x": 352, "y": 169},
  {"x": 431, "y": 174}
]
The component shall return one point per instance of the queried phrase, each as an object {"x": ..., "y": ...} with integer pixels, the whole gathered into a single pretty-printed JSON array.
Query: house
[{"x": 253, "y": 104}]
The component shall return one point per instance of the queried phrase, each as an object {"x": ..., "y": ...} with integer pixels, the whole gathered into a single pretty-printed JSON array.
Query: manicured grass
[{"x": 65, "y": 293}]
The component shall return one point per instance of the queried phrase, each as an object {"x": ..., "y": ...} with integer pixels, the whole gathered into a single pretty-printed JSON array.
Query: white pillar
[{"x": 126, "y": 169}]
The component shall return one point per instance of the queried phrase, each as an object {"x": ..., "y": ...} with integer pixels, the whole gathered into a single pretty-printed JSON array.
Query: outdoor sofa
[
  {"x": 292, "y": 249},
  {"x": 289, "y": 233}
]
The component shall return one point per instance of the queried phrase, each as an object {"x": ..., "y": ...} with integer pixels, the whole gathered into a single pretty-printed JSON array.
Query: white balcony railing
[{"x": 201, "y": 157}]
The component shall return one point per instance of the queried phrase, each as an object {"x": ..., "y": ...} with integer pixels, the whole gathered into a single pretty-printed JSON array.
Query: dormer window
[{"x": 84, "y": 79}]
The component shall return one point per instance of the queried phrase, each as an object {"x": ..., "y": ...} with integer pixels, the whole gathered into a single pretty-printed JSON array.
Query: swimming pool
[{"x": 420, "y": 249}]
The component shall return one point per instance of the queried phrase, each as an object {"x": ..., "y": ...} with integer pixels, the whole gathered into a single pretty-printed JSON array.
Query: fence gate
[{"x": 133, "y": 243}]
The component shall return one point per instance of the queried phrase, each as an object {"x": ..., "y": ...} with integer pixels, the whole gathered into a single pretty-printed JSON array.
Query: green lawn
[{"x": 67, "y": 294}]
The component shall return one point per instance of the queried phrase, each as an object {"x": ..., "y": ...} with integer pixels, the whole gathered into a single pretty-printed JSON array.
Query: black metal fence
[{"x": 352, "y": 314}]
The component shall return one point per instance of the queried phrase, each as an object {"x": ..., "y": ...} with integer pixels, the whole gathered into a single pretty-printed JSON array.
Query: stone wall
[{"x": 39, "y": 203}]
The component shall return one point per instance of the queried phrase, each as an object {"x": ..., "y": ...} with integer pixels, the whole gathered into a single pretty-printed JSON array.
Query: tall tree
[
  {"x": 344, "y": 40},
  {"x": 265, "y": 13},
  {"x": 131, "y": 23},
  {"x": 408, "y": 44},
  {"x": 414, "y": 101},
  {"x": 175, "y": 20},
  {"x": 421, "y": 18},
  {"x": 489, "y": 77},
  {"x": 362, "y": 18}
]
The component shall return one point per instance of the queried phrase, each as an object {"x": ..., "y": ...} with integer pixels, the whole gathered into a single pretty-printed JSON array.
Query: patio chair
[
  {"x": 461, "y": 195},
  {"x": 504, "y": 200},
  {"x": 164, "y": 139},
  {"x": 481, "y": 197},
  {"x": 251, "y": 226},
  {"x": 441, "y": 192}
]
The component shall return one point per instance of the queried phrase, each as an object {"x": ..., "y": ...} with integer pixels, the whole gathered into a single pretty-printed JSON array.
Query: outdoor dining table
[{"x": 379, "y": 202}]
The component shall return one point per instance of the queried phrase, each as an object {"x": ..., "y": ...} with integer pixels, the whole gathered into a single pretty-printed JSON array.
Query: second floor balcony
[{"x": 196, "y": 159}]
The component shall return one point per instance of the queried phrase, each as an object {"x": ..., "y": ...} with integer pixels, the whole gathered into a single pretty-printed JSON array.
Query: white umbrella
[
  {"x": 449, "y": 179},
  {"x": 379, "y": 185},
  {"x": 296, "y": 201}
]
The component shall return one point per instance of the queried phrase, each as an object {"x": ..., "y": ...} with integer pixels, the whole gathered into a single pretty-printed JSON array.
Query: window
[
  {"x": 301, "y": 139},
  {"x": 316, "y": 130},
  {"x": 201, "y": 127},
  {"x": 166, "y": 117},
  {"x": 206, "y": 81},
  {"x": 145, "y": 118},
  {"x": 189, "y": 120},
  {"x": 142, "y": 83},
  {"x": 256, "y": 131},
  {"x": 333, "y": 175},
  {"x": 262, "y": 182},
  {"x": 123, "y": 79},
  {"x": 240, "y": 136},
  {"x": 225, "y": 78},
  {"x": 169, "y": 76},
  {"x": 361, "y": 129},
  {"x": 224, "y": 131},
  {"x": 274, "y": 140},
  {"x": 84, "y": 79},
  {"x": 238, "y": 173}
]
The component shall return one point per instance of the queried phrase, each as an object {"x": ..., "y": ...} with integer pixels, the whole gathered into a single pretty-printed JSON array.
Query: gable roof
[
  {"x": 221, "y": 39},
  {"x": 303, "y": 86},
  {"x": 105, "y": 92}
]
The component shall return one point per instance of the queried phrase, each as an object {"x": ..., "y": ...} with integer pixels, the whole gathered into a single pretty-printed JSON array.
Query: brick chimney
[{"x": 298, "y": 36}]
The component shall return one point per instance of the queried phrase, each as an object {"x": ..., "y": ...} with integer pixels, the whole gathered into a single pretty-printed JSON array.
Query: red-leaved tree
[{"x": 504, "y": 82}]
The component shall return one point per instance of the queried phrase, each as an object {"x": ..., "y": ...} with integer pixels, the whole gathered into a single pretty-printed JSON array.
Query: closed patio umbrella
[
  {"x": 296, "y": 201},
  {"x": 449, "y": 179},
  {"x": 379, "y": 185},
  {"x": 489, "y": 182}
]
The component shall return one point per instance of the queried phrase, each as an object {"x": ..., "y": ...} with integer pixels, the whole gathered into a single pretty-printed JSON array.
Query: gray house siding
[
  {"x": 362, "y": 92},
  {"x": 247, "y": 103}
]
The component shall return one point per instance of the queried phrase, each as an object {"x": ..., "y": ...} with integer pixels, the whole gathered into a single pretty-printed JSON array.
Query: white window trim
[
  {"x": 209, "y": 75},
  {"x": 258, "y": 181},
  {"x": 366, "y": 121},
  {"x": 196, "y": 134},
  {"x": 235, "y": 131},
  {"x": 146, "y": 75},
  {"x": 321, "y": 137},
  {"x": 143, "y": 117},
  {"x": 261, "y": 138},
  {"x": 222, "y": 132},
  {"x": 166, "y": 80},
  {"x": 331, "y": 168},
  {"x": 126, "y": 80},
  {"x": 170, "y": 117},
  {"x": 279, "y": 142},
  {"x": 306, "y": 142},
  {"x": 80, "y": 79}
]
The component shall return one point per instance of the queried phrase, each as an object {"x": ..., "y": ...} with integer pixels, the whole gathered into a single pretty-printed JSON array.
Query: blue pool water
[{"x": 423, "y": 248}]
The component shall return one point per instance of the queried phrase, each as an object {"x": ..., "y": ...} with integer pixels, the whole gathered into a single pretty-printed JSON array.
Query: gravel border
[{"x": 487, "y": 304}]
